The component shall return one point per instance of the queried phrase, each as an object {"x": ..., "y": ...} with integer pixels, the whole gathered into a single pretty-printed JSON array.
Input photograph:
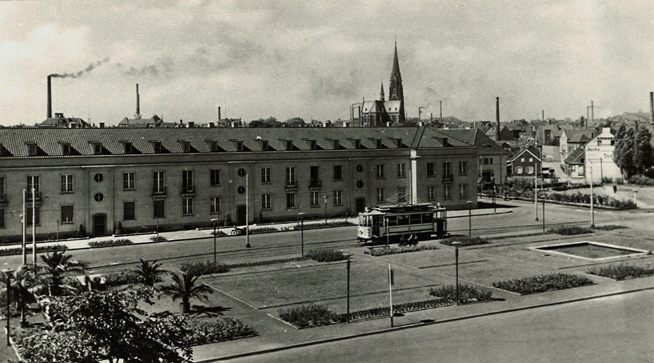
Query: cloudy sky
[{"x": 313, "y": 59}]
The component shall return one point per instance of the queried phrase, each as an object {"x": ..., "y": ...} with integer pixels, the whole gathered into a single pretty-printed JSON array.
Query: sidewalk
[
  {"x": 283, "y": 336},
  {"x": 184, "y": 235}
]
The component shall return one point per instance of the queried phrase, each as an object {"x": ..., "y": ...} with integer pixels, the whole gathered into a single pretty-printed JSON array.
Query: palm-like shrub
[
  {"x": 56, "y": 266},
  {"x": 149, "y": 272},
  {"x": 25, "y": 284},
  {"x": 185, "y": 286}
]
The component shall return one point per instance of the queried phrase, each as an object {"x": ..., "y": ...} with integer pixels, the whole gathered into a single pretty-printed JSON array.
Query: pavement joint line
[
  {"x": 232, "y": 296},
  {"x": 451, "y": 264},
  {"x": 421, "y": 324},
  {"x": 606, "y": 262}
]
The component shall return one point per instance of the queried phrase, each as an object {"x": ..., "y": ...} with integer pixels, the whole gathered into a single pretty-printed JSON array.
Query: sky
[{"x": 314, "y": 59}]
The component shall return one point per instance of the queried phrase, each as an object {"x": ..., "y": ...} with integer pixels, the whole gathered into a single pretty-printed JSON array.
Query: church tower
[
  {"x": 381, "y": 95},
  {"x": 396, "y": 93}
]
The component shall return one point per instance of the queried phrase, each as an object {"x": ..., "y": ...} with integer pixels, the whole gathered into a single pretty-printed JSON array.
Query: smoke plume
[{"x": 78, "y": 74}]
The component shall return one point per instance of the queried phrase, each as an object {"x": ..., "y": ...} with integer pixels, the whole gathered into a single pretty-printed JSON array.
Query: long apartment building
[{"x": 103, "y": 179}]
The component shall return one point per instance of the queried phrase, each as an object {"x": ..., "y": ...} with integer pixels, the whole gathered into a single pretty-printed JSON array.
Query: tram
[{"x": 391, "y": 223}]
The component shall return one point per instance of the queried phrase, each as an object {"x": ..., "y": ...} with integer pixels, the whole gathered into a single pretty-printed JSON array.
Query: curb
[{"x": 419, "y": 324}]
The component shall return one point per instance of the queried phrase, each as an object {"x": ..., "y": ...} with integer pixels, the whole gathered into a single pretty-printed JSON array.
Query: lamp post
[
  {"x": 348, "y": 288},
  {"x": 215, "y": 225},
  {"x": 536, "y": 185},
  {"x": 456, "y": 263},
  {"x": 469, "y": 219},
  {"x": 247, "y": 211},
  {"x": 8, "y": 273},
  {"x": 302, "y": 232},
  {"x": 325, "y": 199},
  {"x": 543, "y": 200}
]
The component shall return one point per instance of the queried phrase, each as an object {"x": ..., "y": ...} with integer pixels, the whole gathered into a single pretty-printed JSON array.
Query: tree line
[{"x": 633, "y": 151}]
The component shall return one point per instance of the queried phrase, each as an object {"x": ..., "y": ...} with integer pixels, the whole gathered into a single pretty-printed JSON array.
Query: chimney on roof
[
  {"x": 138, "y": 102},
  {"x": 218, "y": 113},
  {"x": 191, "y": 124},
  {"x": 49, "y": 97},
  {"x": 497, "y": 116},
  {"x": 102, "y": 125}
]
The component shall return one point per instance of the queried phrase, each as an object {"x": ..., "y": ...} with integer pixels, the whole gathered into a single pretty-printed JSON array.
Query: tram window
[
  {"x": 362, "y": 220},
  {"x": 376, "y": 220},
  {"x": 402, "y": 220},
  {"x": 391, "y": 220},
  {"x": 427, "y": 218},
  {"x": 415, "y": 219}
]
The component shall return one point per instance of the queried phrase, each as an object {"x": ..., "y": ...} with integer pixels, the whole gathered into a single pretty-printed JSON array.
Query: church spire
[
  {"x": 395, "y": 91},
  {"x": 381, "y": 94}
]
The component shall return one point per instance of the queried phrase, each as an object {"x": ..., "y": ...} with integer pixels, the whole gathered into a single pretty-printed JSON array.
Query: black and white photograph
[{"x": 326, "y": 181}]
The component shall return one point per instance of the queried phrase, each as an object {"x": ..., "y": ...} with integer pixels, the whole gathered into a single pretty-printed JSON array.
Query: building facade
[
  {"x": 104, "y": 180},
  {"x": 599, "y": 162},
  {"x": 525, "y": 163}
]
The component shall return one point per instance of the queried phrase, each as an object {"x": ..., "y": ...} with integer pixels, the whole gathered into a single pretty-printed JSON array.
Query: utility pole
[
  {"x": 536, "y": 184},
  {"x": 441, "y": 108},
  {"x": 587, "y": 116},
  {"x": 34, "y": 226},
  {"x": 592, "y": 111},
  {"x": 24, "y": 227},
  {"x": 247, "y": 212}
]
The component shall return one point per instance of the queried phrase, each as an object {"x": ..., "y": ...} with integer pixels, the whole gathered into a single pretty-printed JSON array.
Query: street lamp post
[
  {"x": 543, "y": 200},
  {"x": 325, "y": 199},
  {"x": 302, "y": 232},
  {"x": 348, "y": 288},
  {"x": 8, "y": 273},
  {"x": 469, "y": 219},
  {"x": 215, "y": 225},
  {"x": 456, "y": 263}
]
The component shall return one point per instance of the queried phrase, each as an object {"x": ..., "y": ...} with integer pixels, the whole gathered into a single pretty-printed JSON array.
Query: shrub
[
  {"x": 308, "y": 316},
  {"x": 622, "y": 271},
  {"x": 467, "y": 293},
  {"x": 217, "y": 329},
  {"x": 543, "y": 283},
  {"x": 393, "y": 251},
  {"x": 121, "y": 278},
  {"x": 28, "y": 250},
  {"x": 158, "y": 239},
  {"x": 110, "y": 243},
  {"x": 257, "y": 230},
  {"x": 466, "y": 241},
  {"x": 265, "y": 262},
  {"x": 570, "y": 230},
  {"x": 326, "y": 255},
  {"x": 640, "y": 180},
  {"x": 204, "y": 268}
]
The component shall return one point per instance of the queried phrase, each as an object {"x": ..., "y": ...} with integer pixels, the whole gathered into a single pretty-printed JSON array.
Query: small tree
[
  {"x": 185, "y": 287},
  {"x": 149, "y": 272},
  {"x": 642, "y": 154},
  {"x": 56, "y": 266},
  {"x": 26, "y": 284},
  {"x": 97, "y": 326}
]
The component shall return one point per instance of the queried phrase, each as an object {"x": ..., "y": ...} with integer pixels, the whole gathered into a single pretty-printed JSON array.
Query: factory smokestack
[
  {"x": 218, "y": 113},
  {"x": 497, "y": 116},
  {"x": 138, "y": 102},
  {"x": 49, "y": 96},
  {"x": 651, "y": 106}
]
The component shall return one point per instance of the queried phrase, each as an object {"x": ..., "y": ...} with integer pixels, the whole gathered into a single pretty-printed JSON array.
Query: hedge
[
  {"x": 204, "y": 268},
  {"x": 570, "y": 230},
  {"x": 326, "y": 255},
  {"x": 467, "y": 293},
  {"x": 376, "y": 252},
  {"x": 110, "y": 243},
  {"x": 466, "y": 241},
  {"x": 543, "y": 283},
  {"x": 217, "y": 329},
  {"x": 622, "y": 271},
  {"x": 307, "y": 316},
  {"x": 28, "y": 249}
]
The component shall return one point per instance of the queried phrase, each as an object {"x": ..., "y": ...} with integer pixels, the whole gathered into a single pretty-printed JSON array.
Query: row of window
[
  {"x": 129, "y": 178},
  {"x": 129, "y": 208}
]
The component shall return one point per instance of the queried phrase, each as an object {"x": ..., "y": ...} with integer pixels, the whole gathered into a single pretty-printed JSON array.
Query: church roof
[{"x": 396, "y": 63}]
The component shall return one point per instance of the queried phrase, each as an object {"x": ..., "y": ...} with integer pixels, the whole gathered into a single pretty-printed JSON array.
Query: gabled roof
[
  {"x": 15, "y": 140},
  {"x": 530, "y": 150},
  {"x": 577, "y": 156}
]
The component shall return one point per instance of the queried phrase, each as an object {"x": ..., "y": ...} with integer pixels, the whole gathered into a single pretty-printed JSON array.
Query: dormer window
[
  {"x": 32, "y": 149},
  {"x": 157, "y": 147},
  {"x": 337, "y": 144},
  {"x": 66, "y": 149},
  {"x": 186, "y": 146},
  {"x": 289, "y": 144},
  {"x": 357, "y": 143},
  {"x": 240, "y": 146},
  {"x": 313, "y": 144},
  {"x": 128, "y": 148},
  {"x": 398, "y": 143},
  {"x": 214, "y": 146},
  {"x": 96, "y": 147},
  {"x": 264, "y": 145},
  {"x": 379, "y": 144}
]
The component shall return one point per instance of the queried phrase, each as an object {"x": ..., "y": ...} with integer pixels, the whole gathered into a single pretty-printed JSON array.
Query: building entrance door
[
  {"x": 241, "y": 214},
  {"x": 99, "y": 225},
  {"x": 360, "y": 204}
]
